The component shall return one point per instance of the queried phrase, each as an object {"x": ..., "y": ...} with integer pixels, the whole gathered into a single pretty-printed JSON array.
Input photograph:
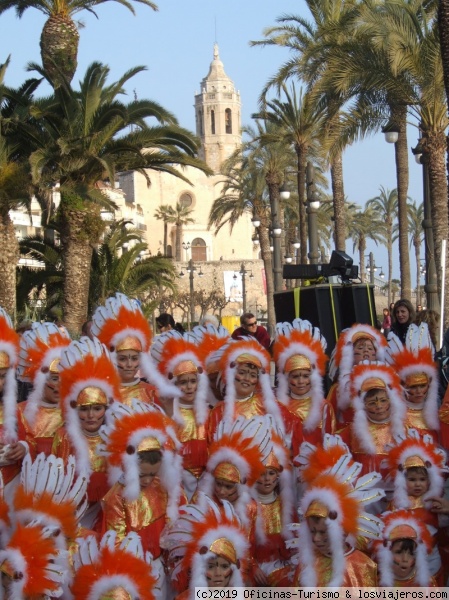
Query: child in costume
[
  {"x": 208, "y": 543},
  {"x": 245, "y": 378},
  {"x": 40, "y": 353},
  {"x": 139, "y": 444},
  {"x": 416, "y": 466},
  {"x": 356, "y": 344},
  {"x": 402, "y": 552},
  {"x": 331, "y": 518},
  {"x": 179, "y": 361},
  {"x": 379, "y": 413},
  {"x": 299, "y": 352},
  {"x": 111, "y": 571},
  {"x": 210, "y": 340},
  {"x": 414, "y": 364},
  {"x": 13, "y": 446},
  {"x": 89, "y": 385},
  {"x": 122, "y": 327}
]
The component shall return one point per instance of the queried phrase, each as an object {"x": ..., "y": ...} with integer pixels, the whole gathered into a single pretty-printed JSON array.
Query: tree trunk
[
  {"x": 178, "y": 256},
  {"x": 81, "y": 229},
  {"x": 59, "y": 48},
  {"x": 399, "y": 117},
  {"x": 338, "y": 194},
  {"x": 301, "y": 153},
  {"x": 435, "y": 149},
  {"x": 165, "y": 237},
  {"x": 268, "y": 266},
  {"x": 9, "y": 257},
  {"x": 417, "y": 246}
]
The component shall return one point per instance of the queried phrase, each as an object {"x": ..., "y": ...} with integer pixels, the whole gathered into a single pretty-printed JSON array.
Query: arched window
[
  {"x": 212, "y": 121},
  {"x": 200, "y": 114},
  {"x": 198, "y": 248},
  {"x": 186, "y": 200},
  {"x": 169, "y": 251},
  {"x": 228, "y": 120}
]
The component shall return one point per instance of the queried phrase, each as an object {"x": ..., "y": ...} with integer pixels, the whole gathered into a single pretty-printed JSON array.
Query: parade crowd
[{"x": 142, "y": 466}]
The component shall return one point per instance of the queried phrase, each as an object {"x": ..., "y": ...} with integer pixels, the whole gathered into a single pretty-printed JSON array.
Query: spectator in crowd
[
  {"x": 165, "y": 322},
  {"x": 249, "y": 327},
  {"x": 403, "y": 314}
]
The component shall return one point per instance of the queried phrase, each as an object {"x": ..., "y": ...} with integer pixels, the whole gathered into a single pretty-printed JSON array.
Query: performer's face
[
  {"x": 267, "y": 482},
  {"x": 299, "y": 381},
  {"x": 377, "y": 405},
  {"x": 403, "y": 560},
  {"x": 226, "y": 490},
  {"x": 2, "y": 379},
  {"x": 417, "y": 482},
  {"x": 147, "y": 473},
  {"x": 319, "y": 535},
  {"x": 416, "y": 394},
  {"x": 218, "y": 572},
  {"x": 91, "y": 417},
  {"x": 128, "y": 362},
  {"x": 51, "y": 389},
  {"x": 188, "y": 384},
  {"x": 246, "y": 377},
  {"x": 364, "y": 350}
]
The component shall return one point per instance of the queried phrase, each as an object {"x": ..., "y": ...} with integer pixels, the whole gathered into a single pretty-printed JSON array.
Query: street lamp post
[
  {"x": 313, "y": 204},
  {"x": 431, "y": 285},
  {"x": 191, "y": 271},
  {"x": 371, "y": 267}
]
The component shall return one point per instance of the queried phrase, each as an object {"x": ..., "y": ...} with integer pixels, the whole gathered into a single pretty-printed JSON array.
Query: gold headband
[
  {"x": 402, "y": 532},
  {"x": 414, "y": 461},
  {"x": 416, "y": 379},
  {"x": 4, "y": 360},
  {"x": 91, "y": 395},
  {"x": 298, "y": 361},
  {"x": 317, "y": 509},
  {"x": 362, "y": 335},
  {"x": 149, "y": 443},
  {"x": 54, "y": 366},
  {"x": 228, "y": 472},
  {"x": 272, "y": 462},
  {"x": 129, "y": 342},
  {"x": 373, "y": 383},
  {"x": 213, "y": 367},
  {"x": 185, "y": 366},
  {"x": 224, "y": 548},
  {"x": 250, "y": 359}
]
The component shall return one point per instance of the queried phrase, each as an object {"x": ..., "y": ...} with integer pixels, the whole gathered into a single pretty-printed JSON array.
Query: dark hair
[
  {"x": 417, "y": 471},
  {"x": 166, "y": 319},
  {"x": 407, "y": 544},
  {"x": 245, "y": 317},
  {"x": 150, "y": 456},
  {"x": 432, "y": 318},
  {"x": 409, "y": 306}
]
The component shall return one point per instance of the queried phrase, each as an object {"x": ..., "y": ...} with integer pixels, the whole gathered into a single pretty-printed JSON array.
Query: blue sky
[{"x": 176, "y": 46}]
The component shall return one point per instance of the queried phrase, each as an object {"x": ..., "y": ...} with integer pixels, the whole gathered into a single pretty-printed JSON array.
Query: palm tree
[
  {"x": 415, "y": 219},
  {"x": 164, "y": 213},
  {"x": 60, "y": 38},
  {"x": 83, "y": 138},
  {"x": 385, "y": 206},
  {"x": 299, "y": 122},
  {"x": 180, "y": 217},
  {"x": 363, "y": 225}
]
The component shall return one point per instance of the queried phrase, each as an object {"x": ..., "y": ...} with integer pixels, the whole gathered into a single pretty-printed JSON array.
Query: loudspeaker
[{"x": 329, "y": 307}]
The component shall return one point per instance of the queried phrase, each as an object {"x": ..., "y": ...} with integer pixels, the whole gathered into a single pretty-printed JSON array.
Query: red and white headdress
[
  {"x": 9, "y": 355},
  {"x": 403, "y": 525},
  {"x": 101, "y": 569},
  {"x": 247, "y": 350},
  {"x": 337, "y": 497},
  {"x": 414, "y": 450},
  {"x": 342, "y": 359},
  {"x": 368, "y": 376},
  {"x": 40, "y": 352},
  {"x": 414, "y": 364},
  {"x": 210, "y": 339},
  {"x": 32, "y": 561},
  {"x": 87, "y": 376},
  {"x": 121, "y": 325},
  {"x": 301, "y": 346},
  {"x": 136, "y": 428},
  {"x": 176, "y": 355},
  {"x": 313, "y": 461},
  {"x": 202, "y": 532}
]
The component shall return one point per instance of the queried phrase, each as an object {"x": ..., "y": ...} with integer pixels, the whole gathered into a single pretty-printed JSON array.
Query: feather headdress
[
  {"x": 40, "y": 352},
  {"x": 9, "y": 355},
  {"x": 210, "y": 339},
  {"x": 313, "y": 461}
]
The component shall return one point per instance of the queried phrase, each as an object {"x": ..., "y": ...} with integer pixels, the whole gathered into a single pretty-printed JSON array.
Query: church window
[
  {"x": 212, "y": 122},
  {"x": 186, "y": 200},
  {"x": 199, "y": 250},
  {"x": 228, "y": 120},
  {"x": 200, "y": 118}
]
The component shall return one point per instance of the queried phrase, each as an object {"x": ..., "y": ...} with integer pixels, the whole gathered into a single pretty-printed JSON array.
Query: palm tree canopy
[{"x": 66, "y": 8}]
